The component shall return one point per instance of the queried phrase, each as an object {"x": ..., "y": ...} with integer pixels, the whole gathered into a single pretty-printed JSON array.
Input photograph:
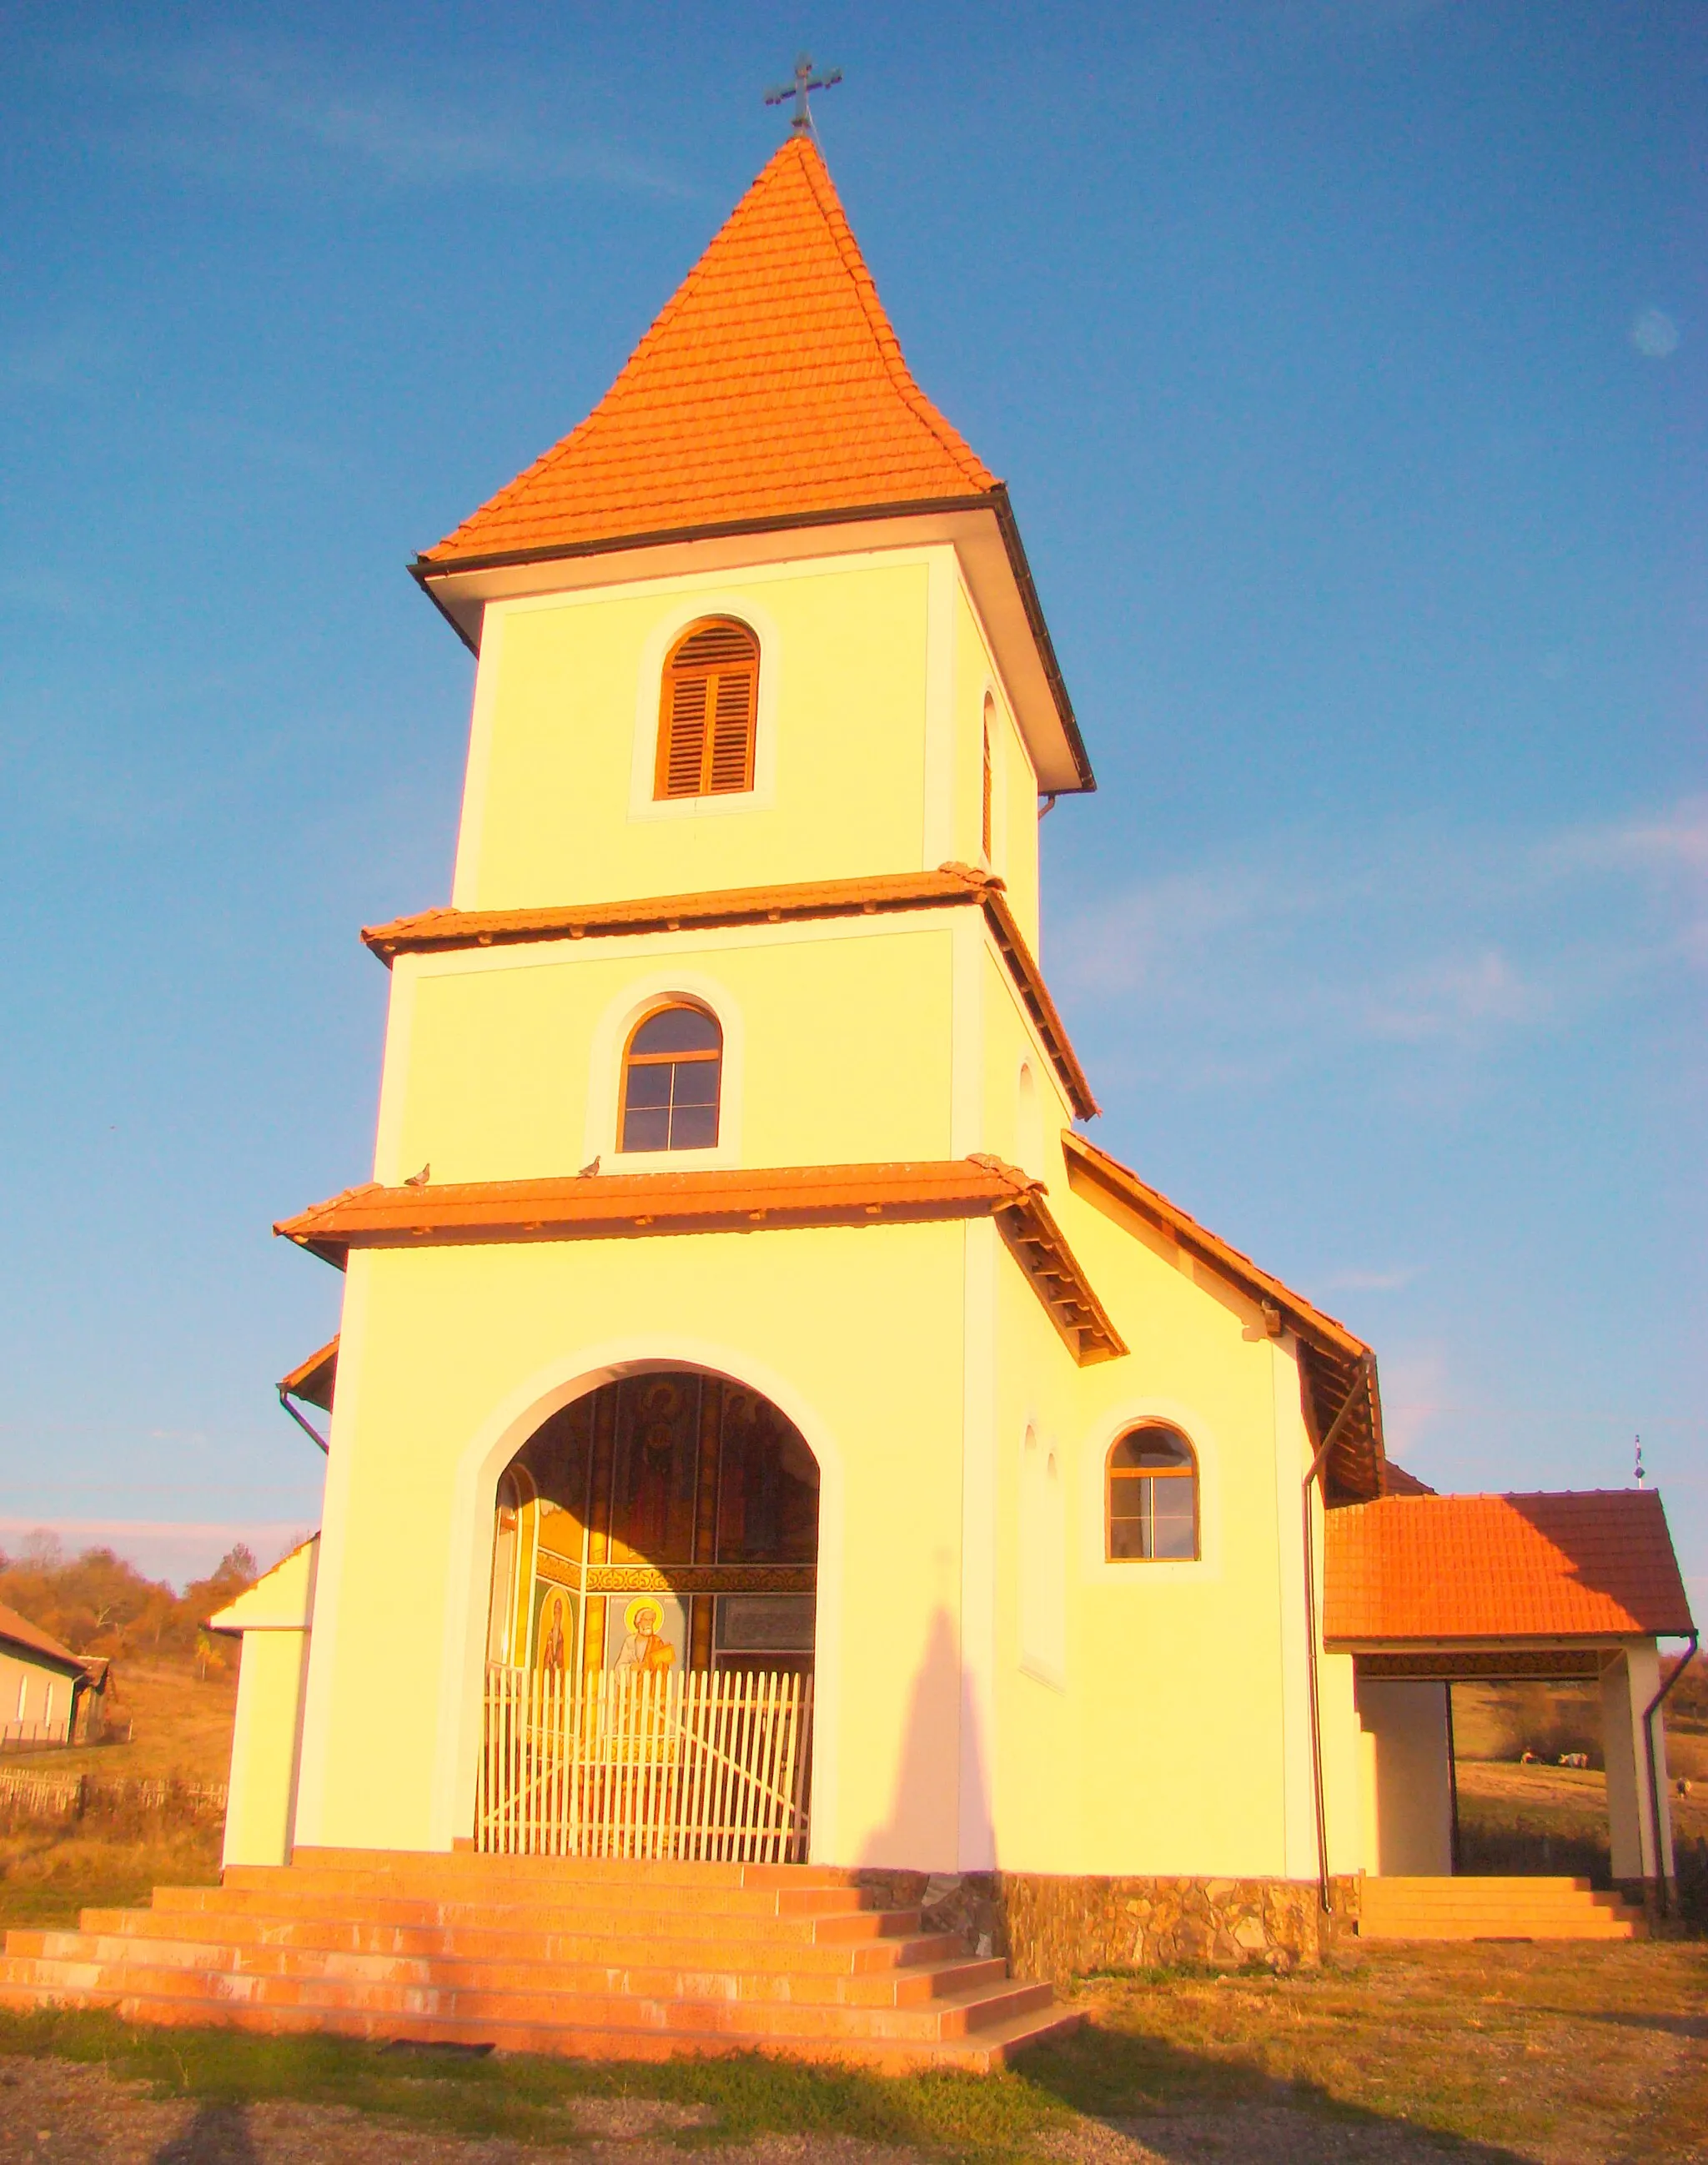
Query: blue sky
[{"x": 1346, "y": 359}]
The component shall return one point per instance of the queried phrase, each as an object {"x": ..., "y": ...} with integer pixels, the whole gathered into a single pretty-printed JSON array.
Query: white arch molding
[{"x": 468, "y": 1564}]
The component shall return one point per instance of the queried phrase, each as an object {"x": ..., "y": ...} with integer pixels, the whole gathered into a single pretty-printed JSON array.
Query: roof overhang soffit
[
  {"x": 608, "y": 1206},
  {"x": 439, "y": 931},
  {"x": 1340, "y": 1396},
  {"x": 981, "y": 529}
]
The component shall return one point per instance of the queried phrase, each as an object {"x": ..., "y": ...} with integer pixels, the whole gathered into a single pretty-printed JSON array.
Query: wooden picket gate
[{"x": 625, "y": 1763}]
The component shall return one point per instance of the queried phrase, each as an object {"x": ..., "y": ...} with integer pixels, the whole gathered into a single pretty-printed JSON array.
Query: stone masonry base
[{"x": 1057, "y": 1927}]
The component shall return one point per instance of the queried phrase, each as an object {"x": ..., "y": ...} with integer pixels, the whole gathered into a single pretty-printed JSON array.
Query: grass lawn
[
  {"x": 1562, "y": 2053},
  {"x": 49, "y": 1871},
  {"x": 47, "y": 1874}
]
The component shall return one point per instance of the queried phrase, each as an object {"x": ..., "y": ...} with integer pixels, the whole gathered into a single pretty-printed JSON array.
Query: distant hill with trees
[{"x": 97, "y": 1602}]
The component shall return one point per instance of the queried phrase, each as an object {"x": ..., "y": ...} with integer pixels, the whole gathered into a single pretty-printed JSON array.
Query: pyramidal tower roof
[
  {"x": 768, "y": 400},
  {"x": 771, "y": 386}
]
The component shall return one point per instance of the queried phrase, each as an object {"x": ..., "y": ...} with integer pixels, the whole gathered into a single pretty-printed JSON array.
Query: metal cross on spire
[{"x": 805, "y": 81}]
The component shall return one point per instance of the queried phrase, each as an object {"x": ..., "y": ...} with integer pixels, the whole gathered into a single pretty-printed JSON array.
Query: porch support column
[{"x": 1629, "y": 1682}]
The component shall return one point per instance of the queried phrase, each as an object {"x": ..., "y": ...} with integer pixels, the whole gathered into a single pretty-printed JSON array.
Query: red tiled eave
[
  {"x": 433, "y": 930},
  {"x": 313, "y": 1381},
  {"x": 619, "y": 1203},
  {"x": 623, "y": 1205},
  {"x": 1452, "y": 1568},
  {"x": 1338, "y": 1370}
]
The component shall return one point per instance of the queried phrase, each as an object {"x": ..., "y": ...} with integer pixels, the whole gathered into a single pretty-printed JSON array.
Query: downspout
[
  {"x": 1648, "y": 1745},
  {"x": 307, "y": 1427},
  {"x": 1316, "y": 1467}
]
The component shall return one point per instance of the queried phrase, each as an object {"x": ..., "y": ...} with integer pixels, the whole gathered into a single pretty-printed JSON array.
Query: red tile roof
[
  {"x": 1337, "y": 1367},
  {"x": 19, "y": 1631},
  {"x": 435, "y": 930},
  {"x": 771, "y": 386},
  {"x": 612, "y": 1204},
  {"x": 620, "y": 1205},
  {"x": 315, "y": 1379},
  {"x": 1588, "y": 1565}
]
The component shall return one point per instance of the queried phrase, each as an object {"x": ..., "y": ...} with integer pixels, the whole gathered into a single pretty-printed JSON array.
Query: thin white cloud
[
  {"x": 1446, "y": 944},
  {"x": 233, "y": 105},
  {"x": 1455, "y": 996},
  {"x": 1366, "y": 1281}
]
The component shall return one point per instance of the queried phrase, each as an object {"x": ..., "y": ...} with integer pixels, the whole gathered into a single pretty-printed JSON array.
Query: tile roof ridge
[{"x": 830, "y": 206}]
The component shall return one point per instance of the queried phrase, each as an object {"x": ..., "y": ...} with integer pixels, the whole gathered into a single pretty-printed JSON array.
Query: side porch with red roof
[{"x": 1425, "y": 1591}]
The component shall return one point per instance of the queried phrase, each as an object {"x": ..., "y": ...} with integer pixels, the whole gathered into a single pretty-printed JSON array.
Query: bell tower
[{"x": 725, "y": 1077}]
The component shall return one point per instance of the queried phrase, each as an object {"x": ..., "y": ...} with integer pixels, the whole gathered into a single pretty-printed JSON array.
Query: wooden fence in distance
[{"x": 707, "y": 1767}]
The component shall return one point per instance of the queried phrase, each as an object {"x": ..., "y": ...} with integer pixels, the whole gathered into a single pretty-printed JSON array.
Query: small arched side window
[
  {"x": 672, "y": 1075},
  {"x": 707, "y": 706},
  {"x": 1028, "y": 1123},
  {"x": 985, "y": 830},
  {"x": 1150, "y": 1505}
]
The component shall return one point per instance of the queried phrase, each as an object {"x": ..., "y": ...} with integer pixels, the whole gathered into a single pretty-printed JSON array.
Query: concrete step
[
  {"x": 397, "y": 1867},
  {"x": 1508, "y": 1908},
  {"x": 952, "y": 2014},
  {"x": 594, "y": 1899},
  {"x": 517, "y": 1941},
  {"x": 606, "y": 1959},
  {"x": 109, "y": 1958},
  {"x": 980, "y": 2050},
  {"x": 803, "y": 1926}
]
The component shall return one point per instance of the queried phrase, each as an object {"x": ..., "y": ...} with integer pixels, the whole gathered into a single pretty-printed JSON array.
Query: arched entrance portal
[{"x": 650, "y": 1642}]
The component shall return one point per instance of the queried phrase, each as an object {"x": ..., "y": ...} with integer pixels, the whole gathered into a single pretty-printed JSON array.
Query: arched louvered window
[
  {"x": 671, "y": 1076},
  {"x": 985, "y": 830},
  {"x": 707, "y": 706},
  {"x": 1152, "y": 1510}
]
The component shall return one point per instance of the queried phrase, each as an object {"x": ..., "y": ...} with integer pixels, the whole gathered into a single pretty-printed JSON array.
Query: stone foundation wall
[{"x": 1055, "y": 1927}]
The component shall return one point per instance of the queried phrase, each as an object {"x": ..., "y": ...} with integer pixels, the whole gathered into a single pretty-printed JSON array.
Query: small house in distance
[
  {"x": 41, "y": 1682},
  {"x": 779, "y": 1465}
]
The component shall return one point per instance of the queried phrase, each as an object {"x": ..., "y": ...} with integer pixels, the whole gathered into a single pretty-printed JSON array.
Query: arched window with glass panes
[
  {"x": 1151, "y": 1500},
  {"x": 672, "y": 1074}
]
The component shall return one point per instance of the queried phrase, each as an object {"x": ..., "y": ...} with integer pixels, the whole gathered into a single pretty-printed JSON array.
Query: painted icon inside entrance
[{"x": 668, "y": 1521}]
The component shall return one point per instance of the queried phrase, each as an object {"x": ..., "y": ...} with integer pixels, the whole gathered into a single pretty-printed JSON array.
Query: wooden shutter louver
[{"x": 708, "y": 705}]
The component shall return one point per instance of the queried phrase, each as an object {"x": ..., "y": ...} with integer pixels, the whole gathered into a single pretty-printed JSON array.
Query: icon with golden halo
[{"x": 645, "y": 1647}]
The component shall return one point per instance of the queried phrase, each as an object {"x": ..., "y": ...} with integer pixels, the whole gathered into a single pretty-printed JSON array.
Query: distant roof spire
[{"x": 804, "y": 80}]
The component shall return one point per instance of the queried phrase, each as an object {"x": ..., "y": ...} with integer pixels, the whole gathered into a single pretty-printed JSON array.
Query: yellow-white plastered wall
[
  {"x": 451, "y": 1356},
  {"x": 1156, "y": 1720},
  {"x": 272, "y": 1619}
]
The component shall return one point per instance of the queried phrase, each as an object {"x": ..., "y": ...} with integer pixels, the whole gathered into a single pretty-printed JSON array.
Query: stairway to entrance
[
  {"x": 596, "y": 1960},
  {"x": 1518, "y": 1908}
]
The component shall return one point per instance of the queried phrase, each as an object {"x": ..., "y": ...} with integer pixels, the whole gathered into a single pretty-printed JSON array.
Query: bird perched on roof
[
  {"x": 420, "y": 1179},
  {"x": 588, "y": 1170}
]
